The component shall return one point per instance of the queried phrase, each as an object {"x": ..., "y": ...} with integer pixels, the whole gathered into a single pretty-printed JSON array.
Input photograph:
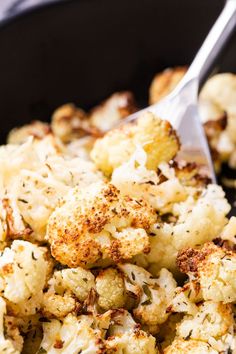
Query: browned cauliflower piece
[
  {"x": 153, "y": 295},
  {"x": 198, "y": 219},
  {"x": 71, "y": 335},
  {"x": 214, "y": 268},
  {"x": 98, "y": 223},
  {"x": 109, "y": 113},
  {"x": 126, "y": 336},
  {"x": 23, "y": 271},
  {"x": 111, "y": 289},
  {"x": 229, "y": 232},
  {"x": 57, "y": 305},
  {"x": 211, "y": 323},
  {"x": 155, "y": 136},
  {"x": 134, "y": 179},
  {"x": 70, "y": 122},
  {"x": 36, "y": 129},
  {"x": 218, "y": 112},
  {"x": 164, "y": 82},
  {"x": 212, "y": 320},
  {"x": 67, "y": 290}
]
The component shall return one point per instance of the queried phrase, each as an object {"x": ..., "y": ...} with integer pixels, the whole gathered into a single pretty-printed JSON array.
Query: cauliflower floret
[
  {"x": 23, "y": 269},
  {"x": 34, "y": 176},
  {"x": 214, "y": 268},
  {"x": 134, "y": 179},
  {"x": 110, "y": 288},
  {"x": 229, "y": 231},
  {"x": 216, "y": 100},
  {"x": 36, "y": 129},
  {"x": 164, "y": 82},
  {"x": 183, "y": 301},
  {"x": 198, "y": 220},
  {"x": 220, "y": 89},
  {"x": 77, "y": 280},
  {"x": 66, "y": 287},
  {"x": 212, "y": 320},
  {"x": 72, "y": 335},
  {"x": 110, "y": 112},
  {"x": 154, "y": 135},
  {"x": 213, "y": 323},
  {"x": 70, "y": 123},
  {"x": 99, "y": 223},
  {"x": 155, "y": 295},
  {"x": 181, "y": 346},
  {"x": 126, "y": 337},
  {"x": 11, "y": 342},
  {"x": 57, "y": 305}
]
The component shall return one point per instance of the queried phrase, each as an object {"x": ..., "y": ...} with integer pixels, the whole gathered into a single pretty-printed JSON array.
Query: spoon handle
[{"x": 213, "y": 44}]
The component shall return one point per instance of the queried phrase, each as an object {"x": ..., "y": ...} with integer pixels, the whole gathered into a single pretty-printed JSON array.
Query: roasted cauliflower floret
[
  {"x": 216, "y": 101},
  {"x": 154, "y": 135},
  {"x": 36, "y": 129},
  {"x": 110, "y": 288},
  {"x": 220, "y": 89},
  {"x": 98, "y": 223},
  {"x": 213, "y": 320},
  {"x": 126, "y": 337},
  {"x": 134, "y": 179},
  {"x": 23, "y": 269},
  {"x": 229, "y": 231},
  {"x": 70, "y": 123},
  {"x": 185, "y": 298},
  {"x": 109, "y": 113},
  {"x": 196, "y": 221},
  {"x": 181, "y": 346},
  {"x": 77, "y": 280},
  {"x": 10, "y": 340},
  {"x": 164, "y": 82},
  {"x": 154, "y": 294},
  {"x": 213, "y": 324},
  {"x": 67, "y": 289},
  {"x": 57, "y": 305},
  {"x": 72, "y": 335},
  {"x": 36, "y": 175},
  {"x": 214, "y": 268}
]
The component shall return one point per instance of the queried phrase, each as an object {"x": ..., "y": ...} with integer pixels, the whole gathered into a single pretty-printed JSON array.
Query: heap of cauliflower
[{"x": 109, "y": 243}]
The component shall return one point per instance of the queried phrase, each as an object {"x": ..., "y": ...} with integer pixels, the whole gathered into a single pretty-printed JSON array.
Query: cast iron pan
[{"x": 83, "y": 50}]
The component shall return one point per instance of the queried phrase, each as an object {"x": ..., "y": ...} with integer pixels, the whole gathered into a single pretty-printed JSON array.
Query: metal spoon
[{"x": 180, "y": 107}]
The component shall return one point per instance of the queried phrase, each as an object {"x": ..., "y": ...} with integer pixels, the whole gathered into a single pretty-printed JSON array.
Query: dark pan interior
[{"x": 81, "y": 51}]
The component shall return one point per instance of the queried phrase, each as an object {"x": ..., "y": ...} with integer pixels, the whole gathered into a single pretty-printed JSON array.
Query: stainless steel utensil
[{"x": 180, "y": 107}]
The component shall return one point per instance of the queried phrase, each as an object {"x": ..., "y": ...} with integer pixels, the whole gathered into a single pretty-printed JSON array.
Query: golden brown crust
[
  {"x": 188, "y": 260},
  {"x": 73, "y": 228},
  {"x": 70, "y": 122},
  {"x": 164, "y": 82},
  {"x": 189, "y": 174}
]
